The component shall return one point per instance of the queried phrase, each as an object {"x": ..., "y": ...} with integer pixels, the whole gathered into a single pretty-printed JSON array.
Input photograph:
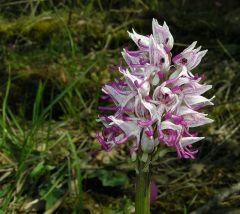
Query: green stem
[{"x": 142, "y": 200}]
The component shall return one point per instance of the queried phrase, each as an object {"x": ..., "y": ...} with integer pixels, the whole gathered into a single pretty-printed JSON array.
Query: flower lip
[
  {"x": 102, "y": 142},
  {"x": 176, "y": 89},
  {"x": 144, "y": 123},
  {"x": 149, "y": 133},
  {"x": 133, "y": 53}
]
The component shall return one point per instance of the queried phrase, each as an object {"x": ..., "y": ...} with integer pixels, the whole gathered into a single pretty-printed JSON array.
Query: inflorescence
[{"x": 155, "y": 101}]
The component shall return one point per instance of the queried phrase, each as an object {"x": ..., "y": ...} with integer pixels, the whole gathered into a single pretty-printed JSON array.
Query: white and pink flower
[
  {"x": 155, "y": 102},
  {"x": 190, "y": 57}
]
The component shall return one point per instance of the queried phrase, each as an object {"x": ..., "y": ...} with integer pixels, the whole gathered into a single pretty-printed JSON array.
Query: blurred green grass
[{"x": 53, "y": 61}]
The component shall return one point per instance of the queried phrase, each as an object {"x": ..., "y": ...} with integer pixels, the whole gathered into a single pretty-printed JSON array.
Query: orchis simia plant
[{"x": 156, "y": 101}]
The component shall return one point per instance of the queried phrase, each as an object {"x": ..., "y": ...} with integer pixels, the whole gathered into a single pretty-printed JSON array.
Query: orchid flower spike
[{"x": 155, "y": 102}]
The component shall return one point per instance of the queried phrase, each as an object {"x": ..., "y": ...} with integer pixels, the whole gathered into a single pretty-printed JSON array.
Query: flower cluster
[{"x": 155, "y": 101}]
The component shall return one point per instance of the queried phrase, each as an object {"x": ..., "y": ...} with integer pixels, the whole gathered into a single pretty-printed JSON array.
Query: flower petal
[
  {"x": 189, "y": 57},
  {"x": 162, "y": 34},
  {"x": 185, "y": 141},
  {"x": 197, "y": 119},
  {"x": 197, "y": 99},
  {"x": 141, "y": 41},
  {"x": 157, "y": 55},
  {"x": 170, "y": 125}
]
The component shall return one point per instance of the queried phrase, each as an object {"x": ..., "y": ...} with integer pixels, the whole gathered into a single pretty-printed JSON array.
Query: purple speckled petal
[
  {"x": 141, "y": 41},
  {"x": 190, "y": 57},
  {"x": 162, "y": 35}
]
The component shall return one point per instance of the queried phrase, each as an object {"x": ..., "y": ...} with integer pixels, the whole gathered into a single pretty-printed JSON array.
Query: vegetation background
[{"x": 54, "y": 57}]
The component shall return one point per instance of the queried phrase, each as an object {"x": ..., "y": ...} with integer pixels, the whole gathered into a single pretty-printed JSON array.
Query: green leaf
[
  {"x": 50, "y": 197},
  {"x": 37, "y": 170},
  {"x": 50, "y": 200},
  {"x": 4, "y": 190},
  {"x": 110, "y": 178}
]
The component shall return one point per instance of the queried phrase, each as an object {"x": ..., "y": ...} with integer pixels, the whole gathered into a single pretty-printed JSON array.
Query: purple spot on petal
[
  {"x": 184, "y": 61},
  {"x": 162, "y": 60},
  {"x": 140, "y": 44}
]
